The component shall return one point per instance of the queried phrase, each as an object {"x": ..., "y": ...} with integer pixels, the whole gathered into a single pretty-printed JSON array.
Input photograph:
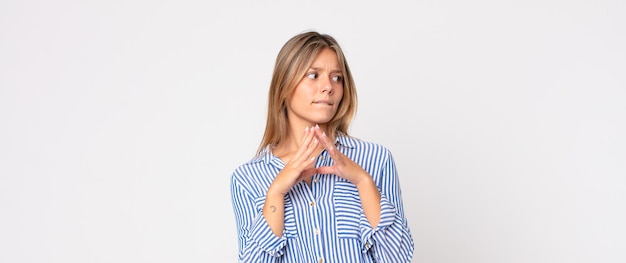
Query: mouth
[{"x": 323, "y": 102}]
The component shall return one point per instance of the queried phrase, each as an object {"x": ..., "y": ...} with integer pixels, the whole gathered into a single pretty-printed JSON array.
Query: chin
[
  {"x": 321, "y": 120},
  {"x": 316, "y": 117}
]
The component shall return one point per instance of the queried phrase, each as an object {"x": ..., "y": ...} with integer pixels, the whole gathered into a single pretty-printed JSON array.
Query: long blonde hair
[{"x": 292, "y": 62}]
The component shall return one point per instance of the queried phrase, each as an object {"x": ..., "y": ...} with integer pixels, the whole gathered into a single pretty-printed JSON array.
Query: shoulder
[
  {"x": 250, "y": 168},
  {"x": 255, "y": 174}
]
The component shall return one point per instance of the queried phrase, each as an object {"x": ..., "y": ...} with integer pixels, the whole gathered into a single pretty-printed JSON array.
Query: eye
[
  {"x": 337, "y": 78},
  {"x": 312, "y": 75}
]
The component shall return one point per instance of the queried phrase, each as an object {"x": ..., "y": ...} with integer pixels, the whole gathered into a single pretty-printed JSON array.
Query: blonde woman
[{"x": 313, "y": 193}]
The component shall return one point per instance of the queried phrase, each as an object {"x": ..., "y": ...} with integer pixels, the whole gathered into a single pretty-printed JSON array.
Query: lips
[{"x": 324, "y": 102}]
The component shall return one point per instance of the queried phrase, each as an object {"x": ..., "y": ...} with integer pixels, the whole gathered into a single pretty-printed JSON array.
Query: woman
[{"x": 313, "y": 193}]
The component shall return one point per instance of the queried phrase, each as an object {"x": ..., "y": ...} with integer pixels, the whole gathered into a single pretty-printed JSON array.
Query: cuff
[
  {"x": 387, "y": 217},
  {"x": 261, "y": 234}
]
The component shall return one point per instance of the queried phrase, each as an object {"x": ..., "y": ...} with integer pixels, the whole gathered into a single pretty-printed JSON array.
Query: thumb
[
  {"x": 326, "y": 170},
  {"x": 307, "y": 173}
]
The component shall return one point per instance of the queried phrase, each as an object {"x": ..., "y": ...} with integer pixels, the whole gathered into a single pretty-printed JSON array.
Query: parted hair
[{"x": 292, "y": 63}]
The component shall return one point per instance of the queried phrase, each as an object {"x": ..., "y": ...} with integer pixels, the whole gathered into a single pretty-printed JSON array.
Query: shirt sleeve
[
  {"x": 391, "y": 240},
  {"x": 257, "y": 242}
]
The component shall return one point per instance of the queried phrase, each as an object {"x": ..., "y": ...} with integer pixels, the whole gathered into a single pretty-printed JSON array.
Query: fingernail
[
  {"x": 324, "y": 134},
  {"x": 306, "y": 129},
  {"x": 317, "y": 126},
  {"x": 314, "y": 140}
]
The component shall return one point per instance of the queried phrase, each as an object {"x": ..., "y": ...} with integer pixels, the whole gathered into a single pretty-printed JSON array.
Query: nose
[{"x": 326, "y": 85}]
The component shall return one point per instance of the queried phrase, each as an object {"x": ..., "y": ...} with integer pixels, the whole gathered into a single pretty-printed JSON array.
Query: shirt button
[
  {"x": 312, "y": 203},
  {"x": 317, "y": 231},
  {"x": 321, "y": 260},
  {"x": 316, "y": 181},
  {"x": 323, "y": 157}
]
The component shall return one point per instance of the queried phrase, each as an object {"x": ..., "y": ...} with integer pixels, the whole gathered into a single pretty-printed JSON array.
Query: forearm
[
  {"x": 274, "y": 211},
  {"x": 370, "y": 200}
]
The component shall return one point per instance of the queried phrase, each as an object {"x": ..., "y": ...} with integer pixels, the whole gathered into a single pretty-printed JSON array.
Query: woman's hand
[
  {"x": 343, "y": 166},
  {"x": 351, "y": 171},
  {"x": 300, "y": 166}
]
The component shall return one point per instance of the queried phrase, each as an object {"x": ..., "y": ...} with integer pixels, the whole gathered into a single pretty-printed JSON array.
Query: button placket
[
  {"x": 314, "y": 205},
  {"x": 316, "y": 231}
]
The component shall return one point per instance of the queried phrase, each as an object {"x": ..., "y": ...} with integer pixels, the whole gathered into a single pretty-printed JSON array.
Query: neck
[{"x": 292, "y": 142}]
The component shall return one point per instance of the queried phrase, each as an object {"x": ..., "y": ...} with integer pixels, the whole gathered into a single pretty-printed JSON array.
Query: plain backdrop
[{"x": 122, "y": 121}]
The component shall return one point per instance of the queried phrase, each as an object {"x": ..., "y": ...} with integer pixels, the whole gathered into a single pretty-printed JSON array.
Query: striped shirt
[{"x": 324, "y": 221}]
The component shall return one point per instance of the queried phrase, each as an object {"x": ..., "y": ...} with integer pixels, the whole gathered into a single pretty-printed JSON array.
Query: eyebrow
[{"x": 332, "y": 71}]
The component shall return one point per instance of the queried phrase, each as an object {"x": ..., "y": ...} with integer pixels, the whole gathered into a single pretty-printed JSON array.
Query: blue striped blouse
[{"x": 324, "y": 222}]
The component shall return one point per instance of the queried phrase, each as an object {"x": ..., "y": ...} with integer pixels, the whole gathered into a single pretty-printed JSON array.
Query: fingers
[
  {"x": 326, "y": 170},
  {"x": 307, "y": 146},
  {"x": 326, "y": 142},
  {"x": 300, "y": 166}
]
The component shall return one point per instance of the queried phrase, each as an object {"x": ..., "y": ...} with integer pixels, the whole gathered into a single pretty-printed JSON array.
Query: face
[{"x": 316, "y": 98}]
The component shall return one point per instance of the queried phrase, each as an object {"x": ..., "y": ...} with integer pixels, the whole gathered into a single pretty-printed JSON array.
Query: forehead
[{"x": 326, "y": 58}]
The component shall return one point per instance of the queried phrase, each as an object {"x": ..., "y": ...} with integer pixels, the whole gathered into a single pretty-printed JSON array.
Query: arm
[
  {"x": 274, "y": 211},
  {"x": 385, "y": 232},
  {"x": 257, "y": 243},
  {"x": 298, "y": 167},
  {"x": 391, "y": 240},
  {"x": 261, "y": 220},
  {"x": 370, "y": 199}
]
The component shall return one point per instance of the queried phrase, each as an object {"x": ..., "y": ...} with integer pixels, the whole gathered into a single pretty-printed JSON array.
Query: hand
[
  {"x": 300, "y": 166},
  {"x": 344, "y": 167}
]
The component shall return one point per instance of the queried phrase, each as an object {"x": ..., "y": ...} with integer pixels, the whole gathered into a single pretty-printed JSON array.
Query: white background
[{"x": 121, "y": 122}]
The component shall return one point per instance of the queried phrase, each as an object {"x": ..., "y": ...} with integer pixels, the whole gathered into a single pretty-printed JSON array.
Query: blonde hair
[{"x": 292, "y": 62}]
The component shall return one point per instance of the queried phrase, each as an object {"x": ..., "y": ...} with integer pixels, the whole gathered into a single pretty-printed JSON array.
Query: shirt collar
[{"x": 345, "y": 141}]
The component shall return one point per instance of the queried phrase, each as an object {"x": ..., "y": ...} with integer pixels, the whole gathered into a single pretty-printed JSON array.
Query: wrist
[
  {"x": 272, "y": 192},
  {"x": 364, "y": 180}
]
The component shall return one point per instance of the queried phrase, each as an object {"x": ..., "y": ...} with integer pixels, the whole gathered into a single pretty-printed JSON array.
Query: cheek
[
  {"x": 302, "y": 91},
  {"x": 340, "y": 97},
  {"x": 340, "y": 92},
  {"x": 291, "y": 101}
]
